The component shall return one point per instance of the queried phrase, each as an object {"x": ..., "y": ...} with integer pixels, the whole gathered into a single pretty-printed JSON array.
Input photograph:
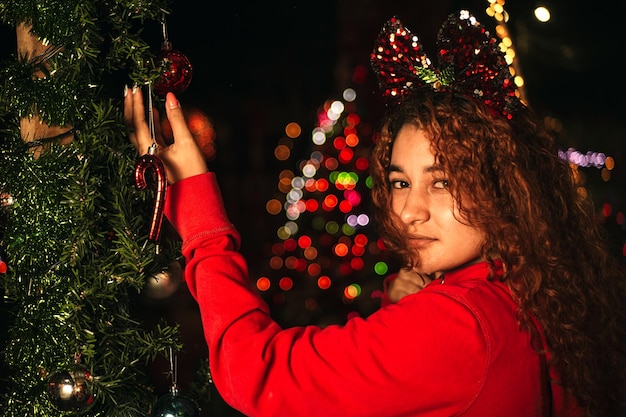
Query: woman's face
[{"x": 421, "y": 199}]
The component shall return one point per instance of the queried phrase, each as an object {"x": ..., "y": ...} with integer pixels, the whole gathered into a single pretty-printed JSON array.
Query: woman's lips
[{"x": 421, "y": 241}]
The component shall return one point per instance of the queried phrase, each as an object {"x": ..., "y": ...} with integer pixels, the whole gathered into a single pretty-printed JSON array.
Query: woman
[
  {"x": 540, "y": 236},
  {"x": 501, "y": 166},
  {"x": 519, "y": 314}
]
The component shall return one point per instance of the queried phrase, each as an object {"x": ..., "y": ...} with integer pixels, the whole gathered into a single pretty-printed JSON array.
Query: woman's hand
[
  {"x": 407, "y": 282},
  {"x": 183, "y": 158}
]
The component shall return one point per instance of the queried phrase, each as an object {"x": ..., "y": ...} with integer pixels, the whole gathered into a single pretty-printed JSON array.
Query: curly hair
[{"x": 508, "y": 181}]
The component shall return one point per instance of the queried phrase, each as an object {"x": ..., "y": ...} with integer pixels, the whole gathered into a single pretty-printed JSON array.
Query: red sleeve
[{"x": 398, "y": 361}]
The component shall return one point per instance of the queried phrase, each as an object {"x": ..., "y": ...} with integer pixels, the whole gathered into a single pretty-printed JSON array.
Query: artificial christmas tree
[{"x": 76, "y": 237}]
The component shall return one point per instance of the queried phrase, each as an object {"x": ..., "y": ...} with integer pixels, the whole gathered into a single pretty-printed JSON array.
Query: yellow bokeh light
[
  {"x": 283, "y": 233},
  {"x": 352, "y": 291},
  {"x": 501, "y": 31},
  {"x": 542, "y": 14}
]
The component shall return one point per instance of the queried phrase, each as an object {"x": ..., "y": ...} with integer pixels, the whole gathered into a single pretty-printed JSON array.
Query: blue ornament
[{"x": 174, "y": 405}]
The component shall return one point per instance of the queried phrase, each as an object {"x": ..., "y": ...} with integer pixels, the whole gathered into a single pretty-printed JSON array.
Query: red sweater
[{"x": 454, "y": 348}]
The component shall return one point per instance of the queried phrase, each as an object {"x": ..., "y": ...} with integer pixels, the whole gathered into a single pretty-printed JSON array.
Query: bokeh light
[
  {"x": 263, "y": 284},
  {"x": 542, "y": 14},
  {"x": 381, "y": 268},
  {"x": 293, "y": 130},
  {"x": 285, "y": 283},
  {"x": 324, "y": 282}
]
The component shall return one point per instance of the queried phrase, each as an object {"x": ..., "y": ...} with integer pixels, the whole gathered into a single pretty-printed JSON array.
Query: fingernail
[
  {"x": 135, "y": 87},
  {"x": 125, "y": 90},
  {"x": 172, "y": 102}
]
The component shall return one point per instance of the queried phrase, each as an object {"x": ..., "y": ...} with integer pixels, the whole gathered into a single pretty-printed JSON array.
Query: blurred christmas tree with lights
[
  {"x": 76, "y": 260},
  {"x": 328, "y": 262}
]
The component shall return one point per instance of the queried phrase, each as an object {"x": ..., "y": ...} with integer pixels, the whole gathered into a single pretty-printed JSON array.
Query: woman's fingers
[
  {"x": 128, "y": 116},
  {"x": 142, "y": 131},
  {"x": 183, "y": 158},
  {"x": 410, "y": 281},
  {"x": 135, "y": 120},
  {"x": 176, "y": 118}
]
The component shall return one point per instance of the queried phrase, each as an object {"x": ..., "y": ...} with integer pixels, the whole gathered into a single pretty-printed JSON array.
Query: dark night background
[{"x": 259, "y": 65}]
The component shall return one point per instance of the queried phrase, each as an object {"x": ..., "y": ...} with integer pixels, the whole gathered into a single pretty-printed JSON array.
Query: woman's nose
[{"x": 415, "y": 209}]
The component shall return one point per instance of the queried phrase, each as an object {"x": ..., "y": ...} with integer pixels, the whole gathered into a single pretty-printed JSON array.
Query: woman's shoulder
[{"x": 477, "y": 293}]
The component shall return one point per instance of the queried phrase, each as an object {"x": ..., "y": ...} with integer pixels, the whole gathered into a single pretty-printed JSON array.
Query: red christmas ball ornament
[{"x": 176, "y": 71}]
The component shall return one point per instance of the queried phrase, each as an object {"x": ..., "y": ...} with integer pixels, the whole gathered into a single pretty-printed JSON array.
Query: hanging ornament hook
[
  {"x": 174, "y": 404},
  {"x": 174, "y": 371},
  {"x": 176, "y": 70},
  {"x": 166, "y": 41}
]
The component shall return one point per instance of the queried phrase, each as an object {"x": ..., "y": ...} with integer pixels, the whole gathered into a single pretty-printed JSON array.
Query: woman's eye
[
  {"x": 442, "y": 184},
  {"x": 397, "y": 184}
]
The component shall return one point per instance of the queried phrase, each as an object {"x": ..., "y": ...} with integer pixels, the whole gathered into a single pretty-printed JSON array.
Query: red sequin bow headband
[{"x": 469, "y": 63}]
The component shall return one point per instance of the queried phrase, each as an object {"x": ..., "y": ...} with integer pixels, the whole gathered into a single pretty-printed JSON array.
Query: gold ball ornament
[
  {"x": 71, "y": 390},
  {"x": 165, "y": 283},
  {"x": 5, "y": 199}
]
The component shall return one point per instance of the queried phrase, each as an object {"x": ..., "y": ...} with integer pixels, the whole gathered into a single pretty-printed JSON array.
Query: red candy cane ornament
[{"x": 151, "y": 161}]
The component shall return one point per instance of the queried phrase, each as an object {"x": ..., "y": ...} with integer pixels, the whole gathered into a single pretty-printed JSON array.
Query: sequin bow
[{"x": 469, "y": 62}]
